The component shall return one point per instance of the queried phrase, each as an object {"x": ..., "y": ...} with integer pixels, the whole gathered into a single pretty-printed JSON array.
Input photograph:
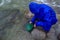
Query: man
[{"x": 44, "y": 16}]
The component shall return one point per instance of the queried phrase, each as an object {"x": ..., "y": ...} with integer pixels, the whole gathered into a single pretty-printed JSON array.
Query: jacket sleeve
[{"x": 33, "y": 19}]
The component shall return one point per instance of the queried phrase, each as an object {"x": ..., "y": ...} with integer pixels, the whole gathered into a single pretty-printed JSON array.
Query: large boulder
[{"x": 38, "y": 34}]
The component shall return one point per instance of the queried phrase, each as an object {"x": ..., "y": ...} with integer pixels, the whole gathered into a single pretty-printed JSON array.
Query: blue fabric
[
  {"x": 46, "y": 25},
  {"x": 43, "y": 14}
]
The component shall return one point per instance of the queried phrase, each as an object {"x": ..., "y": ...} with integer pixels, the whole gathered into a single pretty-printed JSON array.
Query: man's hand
[
  {"x": 34, "y": 25},
  {"x": 30, "y": 22}
]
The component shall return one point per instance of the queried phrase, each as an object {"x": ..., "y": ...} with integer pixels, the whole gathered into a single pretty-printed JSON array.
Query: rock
[
  {"x": 6, "y": 20},
  {"x": 19, "y": 35},
  {"x": 51, "y": 35},
  {"x": 58, "y": 29},
  {"x": 58, "y": 37},
  {"x": 38, "y": 35}
]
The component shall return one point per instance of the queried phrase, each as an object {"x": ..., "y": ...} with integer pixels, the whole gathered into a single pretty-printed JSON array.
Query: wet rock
[
  {"x": 51, "y": 35},
  {"x": 19, "y": 35},
  {"x": 38, "y": 34},
  {"x": 57, "y": 29},
  {"x": 58, "y": 37},
  {"x": 5, "y": 22}
]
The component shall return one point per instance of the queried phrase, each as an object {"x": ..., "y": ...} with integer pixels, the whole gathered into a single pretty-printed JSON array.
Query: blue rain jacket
[{"x": 44, "y": 15}]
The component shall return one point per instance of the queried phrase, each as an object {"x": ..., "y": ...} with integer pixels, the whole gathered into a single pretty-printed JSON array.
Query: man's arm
[{"x": 33, "y": 20}]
